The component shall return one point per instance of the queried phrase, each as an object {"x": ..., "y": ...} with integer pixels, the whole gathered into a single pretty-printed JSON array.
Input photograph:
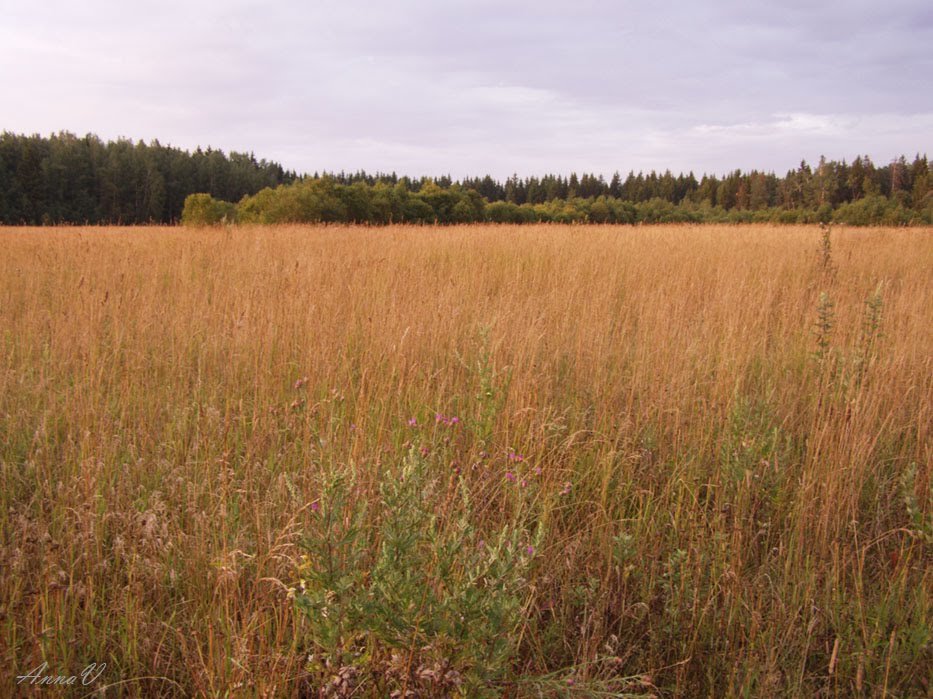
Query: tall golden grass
[{"x": 727, "y": 433}]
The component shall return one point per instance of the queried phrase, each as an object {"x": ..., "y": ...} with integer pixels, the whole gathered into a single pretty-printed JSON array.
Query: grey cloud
[{"x": 471, "y": 87}]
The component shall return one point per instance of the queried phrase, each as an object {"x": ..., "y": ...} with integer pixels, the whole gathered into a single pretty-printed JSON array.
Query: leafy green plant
[
  {"x": 921, "y": 517},
  {"x": 419, "y": 593},
  {"x": 826, "y": 251},
  {"x": 825, "y": 312}
]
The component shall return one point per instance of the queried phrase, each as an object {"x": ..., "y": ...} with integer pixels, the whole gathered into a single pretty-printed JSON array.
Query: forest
[{"x": 65, "y": 178}]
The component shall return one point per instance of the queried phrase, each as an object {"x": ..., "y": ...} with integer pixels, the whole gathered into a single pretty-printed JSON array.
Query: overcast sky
[{"x": 436, "y": 87}]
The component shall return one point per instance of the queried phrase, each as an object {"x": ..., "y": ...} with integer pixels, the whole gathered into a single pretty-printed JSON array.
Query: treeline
[
  {"x": 857, "y": 194},
  {"x": 70, "y": 179},
  {"x": 829, "y": 182}
]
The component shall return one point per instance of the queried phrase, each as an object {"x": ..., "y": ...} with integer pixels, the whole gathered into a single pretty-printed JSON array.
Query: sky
[{"x": 434, "y": 87}]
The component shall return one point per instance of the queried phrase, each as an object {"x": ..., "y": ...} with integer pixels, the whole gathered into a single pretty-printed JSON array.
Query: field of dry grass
[{"x": 535, "y": 461}]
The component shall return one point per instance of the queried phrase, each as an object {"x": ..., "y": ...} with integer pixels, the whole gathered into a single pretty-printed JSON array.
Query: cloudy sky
[{"x": 435, "y": 87}]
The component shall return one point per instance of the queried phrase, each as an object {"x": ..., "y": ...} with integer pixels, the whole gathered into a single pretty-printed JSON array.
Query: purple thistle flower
[
  {"x": 509, "y": 476},
  {"x": 315, "y": 506},
  {"x": 530, "y": 550}
]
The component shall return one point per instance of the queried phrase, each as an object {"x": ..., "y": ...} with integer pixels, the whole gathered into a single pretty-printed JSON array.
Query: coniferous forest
[
  {"x": 65, "y": 178},
  {"x": 72, "y": 179}
]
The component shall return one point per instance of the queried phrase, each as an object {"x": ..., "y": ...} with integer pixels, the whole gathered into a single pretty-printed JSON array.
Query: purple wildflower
[
  {"x": 413, "y": 422},
  {"x": 315, "y": 506},
  {"x": 530, "y": 550},
  {"x": 509, "y": 476}
]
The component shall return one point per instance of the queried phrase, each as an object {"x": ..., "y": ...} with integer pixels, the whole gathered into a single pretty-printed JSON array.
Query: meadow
[{"x": 558, "y": 461}]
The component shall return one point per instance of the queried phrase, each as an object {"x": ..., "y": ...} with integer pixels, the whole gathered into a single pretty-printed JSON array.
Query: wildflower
[
  {"x": 515, "y": 458},
  {"x": 530, "y": 550},
  {"x": 537, "y": 470},
  {"x": 509, "y": 476},
  {"x": 524, "y": 482},
  {"x": 315, "y": 506},
  {"x": 425, "y": 451},
  {"x": 301, "y": 382},
  {"x": 566, "y": 488},
  {"x": 413, "y": 422}
]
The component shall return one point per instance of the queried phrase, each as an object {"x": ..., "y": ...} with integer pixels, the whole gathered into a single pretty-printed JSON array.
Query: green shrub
[
  {"x": 310, "y": 201},
  {"x": 426, "y": 599},
  {"x": 204, "y": 210},
  {"x": 873, "y": 210},
  {"x": 503, "y": 212}
]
